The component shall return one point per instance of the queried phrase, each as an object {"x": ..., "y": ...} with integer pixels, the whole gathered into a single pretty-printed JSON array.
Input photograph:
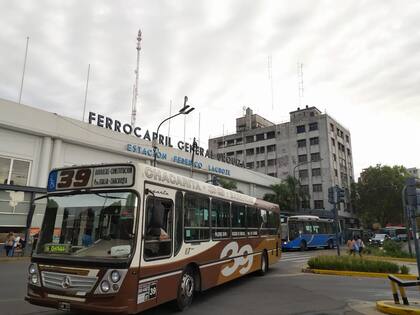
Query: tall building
[{"x": 313, "y": 147}]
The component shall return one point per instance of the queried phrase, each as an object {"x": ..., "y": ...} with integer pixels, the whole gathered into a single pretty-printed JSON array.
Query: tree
[
  {"x": 288, "y": 194},
  {"x": 377, "y": 196},
  {"x": 228, "y": 184}
]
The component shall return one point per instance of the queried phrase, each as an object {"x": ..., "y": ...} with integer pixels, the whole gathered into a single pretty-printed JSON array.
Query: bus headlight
[
  {"x": 105, "y": 286},
  {"x": 111, "y": 281},
  {"x": 34, "y": 279},
  {"x": 115, "y": 276},
  {"x": 32, "y": 269}
]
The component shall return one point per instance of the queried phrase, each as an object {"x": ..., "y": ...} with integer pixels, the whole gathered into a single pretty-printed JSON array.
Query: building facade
[
  {"x": 414, "y": 171},
  {"x": 33, "y": 141},
  {"x": 312, "y": 147}
]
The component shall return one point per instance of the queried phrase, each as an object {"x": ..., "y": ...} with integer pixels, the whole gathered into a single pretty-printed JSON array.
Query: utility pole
[
  {"x": 136, "y": 85},
  {"x": 412, "y": 195},
  {"x": 335, "y": 196}
]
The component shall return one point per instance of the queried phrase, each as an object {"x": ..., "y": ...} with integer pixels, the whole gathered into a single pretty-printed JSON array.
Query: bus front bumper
[{"x": 76, "y": 306}]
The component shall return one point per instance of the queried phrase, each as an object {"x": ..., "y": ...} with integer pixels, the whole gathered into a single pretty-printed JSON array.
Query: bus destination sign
[{"x": 91, "y": 177}]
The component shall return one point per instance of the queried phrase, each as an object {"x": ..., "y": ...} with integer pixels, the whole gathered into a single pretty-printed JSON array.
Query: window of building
[
  {"x": 14, "y": 171},
  {"x": 347, "y": 139},
  {"x": 220, "y": 144},
  {"x": 272, "y": 174},
  {"x": 220, "y": 218},
  {"x": 250, "y": 165},
  {"x": 250, "y": 151},
  {"x": 260, "y": 137},
  {"x": 260, "y": 150},
  {"x": 300, "y": 129},
  {"x": 301, "y": 143},
  {"x": 348, "y": 152},
  {"x": 239, "y": 140},
  {"x": 262, "y": 163},
  {"x": 196, "y": 217},
  {"x": 316, "y": 172},
  {"x": 336, "y": 172},
  {"x": 332, "y": 127},
  {"x": 302, "y": 158},
  {"x": 230, "y": 142},
  {"x": 305, "y": 188},
  {"x": 317, "y": 187},
  {"x": 271, "y": 148},
  {"x": 319, "y": 204},
  {"x": 230, "y": 153},
  {"x": 305, "y": 204},
  {"x": 240, "y": 152},
  {"x": 334, "y": 157},
  {"x": 271, "y": 135},
  {"x": 249, "y": 139},
  {"x": 333, "y": 142},
  {"x": 271, "y": 162},
  {"x": 303, "y": 173},
  {"x": 314, "y": 141},
  {"x": 313, "y": 126},
  {"x": 315, "y": 157}
]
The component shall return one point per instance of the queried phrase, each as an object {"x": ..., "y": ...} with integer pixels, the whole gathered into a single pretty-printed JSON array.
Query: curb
[
  {"x": 413, "y": 260},
  {"x": 12, "y": 259},
  {"x": 389, "y": 307},
  {"x": 357, "y": 274}
]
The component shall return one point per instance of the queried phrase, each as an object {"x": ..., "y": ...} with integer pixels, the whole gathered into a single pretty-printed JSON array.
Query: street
[{"x": 284, "y": 290}]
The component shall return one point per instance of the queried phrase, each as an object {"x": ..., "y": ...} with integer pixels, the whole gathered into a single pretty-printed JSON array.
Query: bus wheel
[
  {"x": 264, "y": 264},
  {"x": 330, "y": 244},
  {"x": 185, "y": 290},
  {"x": 302, "y": 246}
]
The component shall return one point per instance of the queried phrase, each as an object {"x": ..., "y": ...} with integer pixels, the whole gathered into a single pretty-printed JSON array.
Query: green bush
[
  {"x": 352, "y": 263},
  {"x": 389, "y": 249},
  {"x": 404, "y": 270}
]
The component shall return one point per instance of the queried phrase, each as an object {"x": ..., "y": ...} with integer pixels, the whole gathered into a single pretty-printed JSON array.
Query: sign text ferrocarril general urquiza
[{"x": 116, "y": 125}]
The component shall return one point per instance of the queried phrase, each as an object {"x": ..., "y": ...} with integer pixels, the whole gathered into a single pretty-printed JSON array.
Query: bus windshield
[{"x": 90, "y": 225}]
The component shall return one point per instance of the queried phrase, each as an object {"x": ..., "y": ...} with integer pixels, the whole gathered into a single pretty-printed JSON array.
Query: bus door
[{"x": 158, "y": 242}]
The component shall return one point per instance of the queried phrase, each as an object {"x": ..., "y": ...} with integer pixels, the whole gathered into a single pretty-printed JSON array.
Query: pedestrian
[
  {"x": 10, "y": 243},
  {"x": 355, "y": 246},
  {"x": 350, "y": 246},
  {"x": 361, "y": 245}
]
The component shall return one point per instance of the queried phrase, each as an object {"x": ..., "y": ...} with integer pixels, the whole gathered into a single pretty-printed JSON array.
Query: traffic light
[
  {"x": 331, "y": 195},
  {"x": 413, "y": 194},
  {"x": 341, "y": 194}
]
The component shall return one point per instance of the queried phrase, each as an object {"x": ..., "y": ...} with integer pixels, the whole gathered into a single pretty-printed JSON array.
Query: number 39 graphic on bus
[{"x": 232, "y": 250}]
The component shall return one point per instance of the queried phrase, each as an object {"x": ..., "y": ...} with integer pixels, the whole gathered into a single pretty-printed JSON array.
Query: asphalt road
[{"x": 284, "y": 290}]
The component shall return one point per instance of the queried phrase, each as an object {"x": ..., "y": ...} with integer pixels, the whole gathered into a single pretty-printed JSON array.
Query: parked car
[{"x": 378, "y": 239}]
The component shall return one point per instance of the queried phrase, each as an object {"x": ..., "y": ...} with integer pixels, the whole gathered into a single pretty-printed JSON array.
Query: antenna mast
[
  {"x": 300, "y": 82},
  {"x": 136, "y": 85}
]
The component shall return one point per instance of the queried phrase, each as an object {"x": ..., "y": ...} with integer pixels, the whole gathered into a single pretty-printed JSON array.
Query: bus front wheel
[{"x": 186, "y": 289}]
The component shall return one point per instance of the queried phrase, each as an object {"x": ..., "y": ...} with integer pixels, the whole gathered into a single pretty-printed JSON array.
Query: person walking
[
  {"x": 355, "y": 246},
  {"x": 361, "y": 245},
  {"x": 10, "y": 243},
  {"x": 350, "y": 246}
]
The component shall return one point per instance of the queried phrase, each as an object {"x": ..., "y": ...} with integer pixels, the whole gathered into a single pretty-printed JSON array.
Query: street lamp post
[{"x": 184, "y": 111}]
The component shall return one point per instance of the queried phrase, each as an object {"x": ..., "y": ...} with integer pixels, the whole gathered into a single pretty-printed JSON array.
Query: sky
[{"x": 360, "y": 64}]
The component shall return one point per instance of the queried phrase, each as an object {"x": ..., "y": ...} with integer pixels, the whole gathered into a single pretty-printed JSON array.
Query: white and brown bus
[{"x": 124, "y": 238}]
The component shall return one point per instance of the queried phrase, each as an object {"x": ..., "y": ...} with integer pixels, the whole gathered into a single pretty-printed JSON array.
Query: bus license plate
[{"x": 63, "y": 306}]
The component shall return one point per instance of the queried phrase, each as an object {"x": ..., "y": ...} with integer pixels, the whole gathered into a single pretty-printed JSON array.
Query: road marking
[{"x": 285, "y": 275}]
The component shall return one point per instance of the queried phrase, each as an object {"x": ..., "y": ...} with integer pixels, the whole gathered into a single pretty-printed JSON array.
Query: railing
[{"x": 401, "y": 285}]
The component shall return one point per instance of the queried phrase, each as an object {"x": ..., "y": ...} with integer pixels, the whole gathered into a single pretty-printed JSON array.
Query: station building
[{"x": 33, "y": 141}]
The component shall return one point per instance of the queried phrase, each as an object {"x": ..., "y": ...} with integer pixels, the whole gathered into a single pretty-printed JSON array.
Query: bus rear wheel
[{"x": 186, "y": 289}]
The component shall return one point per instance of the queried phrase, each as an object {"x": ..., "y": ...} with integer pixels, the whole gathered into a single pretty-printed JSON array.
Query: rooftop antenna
[
  {"x": 136, "y": 85},
  {"x": 300, "y": 82},
  {"x": 86, "y": 93},
  {"x": 270, "y": 78},
  {"x": 24, "y": 68}
]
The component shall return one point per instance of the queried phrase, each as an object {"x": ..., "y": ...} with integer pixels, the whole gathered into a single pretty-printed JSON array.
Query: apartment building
[{"x": 313, "y": 147}]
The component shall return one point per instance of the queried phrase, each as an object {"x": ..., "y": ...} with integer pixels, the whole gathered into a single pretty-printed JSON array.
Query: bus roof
[{"x": 308, "y": 218}]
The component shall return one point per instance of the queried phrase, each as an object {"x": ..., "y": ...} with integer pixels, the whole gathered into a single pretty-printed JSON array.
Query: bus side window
[
  {"x": 220, "y": 219},
  {"x": 315, "y": 228},
  {"x": 158, "y": 228},
  {"x": 196, "y": 217},
  {"x": 308, "y": 227},
  {"x": 263, "y": 222},
  {"x": 179, "y": 207}
]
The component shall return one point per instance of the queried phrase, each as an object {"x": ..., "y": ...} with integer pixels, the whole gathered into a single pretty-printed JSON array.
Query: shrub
[
  {"x": 389, "y": 249},
  {"x": 351, "y": 263},
  {"x": 404, "y": 270}
]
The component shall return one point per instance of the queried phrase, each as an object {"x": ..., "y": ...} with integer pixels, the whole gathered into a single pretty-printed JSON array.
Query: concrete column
[
  {"x": 56, "y": 160},
  {"x": 44, "y": 162}
]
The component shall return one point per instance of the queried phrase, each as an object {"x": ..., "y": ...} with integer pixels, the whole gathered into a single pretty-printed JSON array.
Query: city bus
[
  {"x": 307, "y": 231},
  {"x": 124, "y": 238}
]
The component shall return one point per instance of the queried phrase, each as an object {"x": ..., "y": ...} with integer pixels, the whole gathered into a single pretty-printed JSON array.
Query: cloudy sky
[{"x": 360, "y": 64}]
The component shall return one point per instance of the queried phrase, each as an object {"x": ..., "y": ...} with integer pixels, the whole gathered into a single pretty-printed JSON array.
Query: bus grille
[{"x": 68, "y": 282}]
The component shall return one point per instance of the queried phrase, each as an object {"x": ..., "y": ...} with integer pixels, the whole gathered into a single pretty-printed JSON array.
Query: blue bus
[{"x": 307, "y": 231}]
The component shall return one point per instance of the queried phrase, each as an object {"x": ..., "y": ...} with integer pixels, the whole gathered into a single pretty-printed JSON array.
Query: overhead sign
[
  {"x": 91, "y": 177},
  {"x": 115, "y": 125}
]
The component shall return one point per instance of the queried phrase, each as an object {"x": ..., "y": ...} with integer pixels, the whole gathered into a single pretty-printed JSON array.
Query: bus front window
[{"x": 89, "y": 225}]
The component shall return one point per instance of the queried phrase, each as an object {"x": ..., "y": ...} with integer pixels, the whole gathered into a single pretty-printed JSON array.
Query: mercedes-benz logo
[{"x": 66, "y": 282}]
